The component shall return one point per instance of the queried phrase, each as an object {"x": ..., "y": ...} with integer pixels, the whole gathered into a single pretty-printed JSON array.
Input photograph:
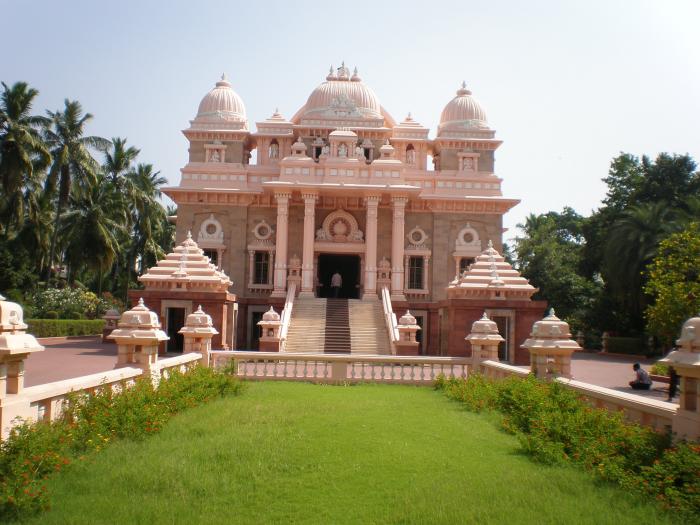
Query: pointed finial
[
  {"x": 354, "y": 71},
  {"x": 199, "y": 310},
  {"x": 141, "y": 301},
  {"x": 464, "y": 84},
  {"x": 409, "y": 116},
  {"x": 551, "y": 313},
  {"x": 189, "y": 235},
  {"x": 223, "y": 76},
  {"x": 330, "y": 71},
  {"x": 490, "y": 244},
  {"x": 277, "y": 109},
  {"x": 485, "y": 317}
]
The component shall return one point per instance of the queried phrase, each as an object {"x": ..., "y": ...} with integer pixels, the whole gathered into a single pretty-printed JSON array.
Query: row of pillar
[{"x": 371, "y": 228}]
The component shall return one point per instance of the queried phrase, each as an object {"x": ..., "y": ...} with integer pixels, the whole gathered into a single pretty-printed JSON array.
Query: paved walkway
[
  {"x": 67, "y": 358},
  {"x": 74, "y": 357},
  {"x": 614, "y": 371}
]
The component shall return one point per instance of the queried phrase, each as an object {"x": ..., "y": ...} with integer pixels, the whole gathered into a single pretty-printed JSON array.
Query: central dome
[{"x": 341, "y": 96}]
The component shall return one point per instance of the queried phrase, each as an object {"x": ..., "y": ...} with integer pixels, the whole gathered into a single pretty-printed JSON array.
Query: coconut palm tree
[
  {"x": 22, "y": 151},
  {"x": 73, "y": 164},
  {"x": 148, "y": 216},
  {"x": 91, "y": 227}
]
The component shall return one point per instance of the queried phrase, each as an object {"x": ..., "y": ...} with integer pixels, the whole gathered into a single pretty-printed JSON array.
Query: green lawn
[{"x": 301, "y": 453}]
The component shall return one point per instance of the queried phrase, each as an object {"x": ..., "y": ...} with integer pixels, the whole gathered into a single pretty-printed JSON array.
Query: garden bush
[
  {"x": 70, "y": 303},
  {"x": 64, "y": 327},
  {"x": 659, "y": 369},
  {"x": 627, "y": 345},
  {"x": 33, "y": 452},
  {"x": 554, "y": 425}
]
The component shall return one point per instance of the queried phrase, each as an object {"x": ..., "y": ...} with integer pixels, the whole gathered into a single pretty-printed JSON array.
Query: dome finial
[
  {"x": 223, "y": 76},
  {"x": 463, "y": 89}
]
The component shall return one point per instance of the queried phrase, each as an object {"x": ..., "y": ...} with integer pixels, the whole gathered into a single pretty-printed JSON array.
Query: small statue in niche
[
  {"x": 214, "y": 156},
  {"x": 468, "y": 163},
  {"x": 357, "y": 235},
  {"x": 342, "y": 150},
  {"x": 326, "y": 150},
  {"x": 274, "y": 150},
  {"x": 321, "y": 235},
  {"x": 359, "y": 153},
  {"x": 411, "y": 156}
]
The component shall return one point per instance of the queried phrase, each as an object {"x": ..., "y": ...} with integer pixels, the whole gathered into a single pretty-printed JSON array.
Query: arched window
[{"x": 410, "y": 154}]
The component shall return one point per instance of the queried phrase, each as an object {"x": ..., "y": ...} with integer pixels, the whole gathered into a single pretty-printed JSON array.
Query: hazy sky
[{"x": 566, "y": 85}]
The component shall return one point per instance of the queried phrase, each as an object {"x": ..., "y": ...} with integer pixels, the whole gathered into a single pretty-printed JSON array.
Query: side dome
[
  {"x": 463, "y": 113},
  {"x": 221, "y": 107},
  {"x": 342, "y": 96}
]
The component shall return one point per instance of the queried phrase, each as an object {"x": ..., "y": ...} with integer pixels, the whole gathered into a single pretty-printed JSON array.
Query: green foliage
[
  {"x": 659, "y": 369},
  {"x": 555, "y": 426},
  {"x": 52, "y": 327},
  {"x": 35, "y": 452},
  {"x": 674, "y": 283},
  {"x": 69, "y": 303},
  {"x": 627, "y": 345},
  {"x": 549, "y": 255}
]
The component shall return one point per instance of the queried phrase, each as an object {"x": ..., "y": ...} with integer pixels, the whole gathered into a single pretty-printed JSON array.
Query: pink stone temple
[{"x": 342, "y": 188}]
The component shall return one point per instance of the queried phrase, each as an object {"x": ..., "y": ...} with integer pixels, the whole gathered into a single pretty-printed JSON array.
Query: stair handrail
[
  {"x": 286, "y": 317},
  {"x": 390, "y": 319}
]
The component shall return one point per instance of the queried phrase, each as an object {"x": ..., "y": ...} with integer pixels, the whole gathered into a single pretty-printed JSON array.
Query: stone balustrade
[{"x": 334, "y": 368}]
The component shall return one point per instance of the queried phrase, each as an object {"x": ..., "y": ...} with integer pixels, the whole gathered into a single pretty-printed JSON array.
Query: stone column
[
  {"x": 307, "y": 264},
  {"x": 686, "y": 361},
  {"x": 197, "y": 334},
  {"x": 397, "y": 243},
  {"x": 407, "y": 328},
  {"x": 484, "y": 339},
  {"x": 251, "y": 268},
  {"x": 550, "y": 346},
  {"x": 372, "y": 202},
  {"x": 281, "y": 244}
]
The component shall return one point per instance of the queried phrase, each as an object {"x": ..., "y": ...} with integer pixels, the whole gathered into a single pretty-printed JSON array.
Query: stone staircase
[
  {"x": 307, "y": 329},
  {"x": 337, "y": 326},
  {"x": 368, "y": 331}
]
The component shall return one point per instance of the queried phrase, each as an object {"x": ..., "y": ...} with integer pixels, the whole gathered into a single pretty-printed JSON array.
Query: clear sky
[{"x": 567, "y": 85}]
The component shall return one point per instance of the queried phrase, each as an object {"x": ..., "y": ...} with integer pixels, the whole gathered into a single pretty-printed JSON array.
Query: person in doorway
[
  {"x": 642, "y": 381},
  {"x": 336, "y": 284}
]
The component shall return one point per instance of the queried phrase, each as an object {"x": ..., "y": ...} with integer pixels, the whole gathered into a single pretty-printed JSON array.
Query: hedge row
[
  {"x": 627, "y": 345},
  {"x": 64, "y": 327}
]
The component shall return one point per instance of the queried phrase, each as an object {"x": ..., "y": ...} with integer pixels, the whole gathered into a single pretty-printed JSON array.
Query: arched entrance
[{"x": 348, "y": 266}]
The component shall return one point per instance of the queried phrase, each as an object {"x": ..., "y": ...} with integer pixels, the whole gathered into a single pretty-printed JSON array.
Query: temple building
[{"x": 342, "y": 188}]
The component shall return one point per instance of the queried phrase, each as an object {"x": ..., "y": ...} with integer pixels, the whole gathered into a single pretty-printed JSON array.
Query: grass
[{"x": 301, "y": 453}]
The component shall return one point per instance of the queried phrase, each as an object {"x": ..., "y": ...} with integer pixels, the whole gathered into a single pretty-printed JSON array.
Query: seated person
[{"x": 643, "y": 381}]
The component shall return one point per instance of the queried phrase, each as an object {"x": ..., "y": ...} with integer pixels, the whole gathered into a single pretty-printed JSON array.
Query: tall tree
[
  {"x": 91, "y": 226},
  {"x": 72, "y": 163},
  {"x": 22, "y": 151}
]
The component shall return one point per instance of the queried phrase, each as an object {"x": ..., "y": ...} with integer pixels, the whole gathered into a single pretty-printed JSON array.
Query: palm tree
[
  {"x": 91, "y": 228},
  {"x": 632, "y": 244},
  {"x": 148, "y": 216},
  {"x": 22, "y": 152},
  {"x": 118, "y": 161},
  {"x": 72, "y": 162}
]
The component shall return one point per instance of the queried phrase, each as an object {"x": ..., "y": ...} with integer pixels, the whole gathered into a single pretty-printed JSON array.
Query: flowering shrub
[
  {"x": 554, "y": 426},
  {"x": 68, "y": 303},
  {"x": 33, "y": 452}
]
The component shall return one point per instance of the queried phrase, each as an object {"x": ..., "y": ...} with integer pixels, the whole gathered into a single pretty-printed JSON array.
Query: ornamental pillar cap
[
  {"x": 689, "y": 341},
  {"x": 551, "y": 333},
  {"x": 199, "y": 323},
  {"x": 13, "y": 338},
  {"x": 484, "y": 330},
  {"x": 271, "y": 315},
  {"x": 138, "y": 325},
  {"x": 408, "y": 320}
]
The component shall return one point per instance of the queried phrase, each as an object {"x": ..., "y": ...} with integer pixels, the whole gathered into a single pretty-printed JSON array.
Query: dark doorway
[
  {"x": 503, "y": 324},
  {"x": 176, "y": 320},
  {"x": 348, "y": 266}
]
